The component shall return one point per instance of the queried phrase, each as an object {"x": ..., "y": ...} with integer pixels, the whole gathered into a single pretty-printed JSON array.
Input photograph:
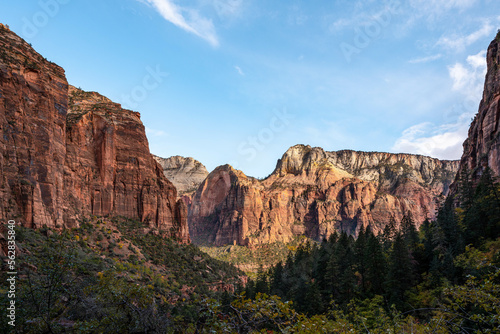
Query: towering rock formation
[
  {"x": 482, "y": 146},
  {"x": 314, "y": 193},
  {"x": 66, "y": 154},
  {"x": 109, "y": 169},
  {"x": 33, "y": 107},
  {"x": 185, "y": 173}
]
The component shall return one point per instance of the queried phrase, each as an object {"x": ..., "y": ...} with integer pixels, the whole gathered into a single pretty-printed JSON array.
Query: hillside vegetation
[
  {"x": 115, "y": 276},
  {"x": 110, "y": 276}
]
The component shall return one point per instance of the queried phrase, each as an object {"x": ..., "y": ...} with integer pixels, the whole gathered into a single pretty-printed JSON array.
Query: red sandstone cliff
[
  {"x": 314, "y": 193},
  {"x": 65, "y": 155},
  {"x": 33, "y": 107},
  {"x": 109, "y": 170},
  {"x": 482, "y": 146}
]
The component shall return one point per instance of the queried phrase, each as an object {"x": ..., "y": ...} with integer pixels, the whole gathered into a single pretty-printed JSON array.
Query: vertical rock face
[
  {"x": 314, "y": 193},
  {"x": 482, "y": 146},
  {"x": 109, "y": 168},
  {"x": 33, "y": 107},
  {"x": 66, "y": 154},
  {"x": 185, "y": 173}
]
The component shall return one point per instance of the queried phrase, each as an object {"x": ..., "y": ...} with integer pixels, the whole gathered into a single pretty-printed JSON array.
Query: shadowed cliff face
[
  {"x": 482, "y": 146},
  {"x": 314, "y": 193},
  {"x": 66, "y": 154}
]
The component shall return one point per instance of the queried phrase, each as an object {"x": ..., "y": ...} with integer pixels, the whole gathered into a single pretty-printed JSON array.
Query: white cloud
[
  {"x": 185, "y": 18},
  {"x": 478, "y": 61},
  {"x": 425, "y": 59},
  {"x": 445, "y": 141},
  {"x": 468, "y": 78},
  {"x": 460, "y": 76},
  {"x": 239, "y": 70},
  {"x": 460, "y": 43}
]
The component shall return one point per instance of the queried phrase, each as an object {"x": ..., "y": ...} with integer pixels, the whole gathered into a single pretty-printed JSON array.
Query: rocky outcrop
[
  {"x": 314, "y": 193},
  {"x": 482, "y": 146},
  {"x": 66, "y": 154},
  {"x": 185, "y": 173}
]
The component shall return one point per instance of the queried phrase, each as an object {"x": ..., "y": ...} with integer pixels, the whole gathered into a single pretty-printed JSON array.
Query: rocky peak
[
  {"x": 185, "y": 173},
  {"x": 300, "y": 158}
]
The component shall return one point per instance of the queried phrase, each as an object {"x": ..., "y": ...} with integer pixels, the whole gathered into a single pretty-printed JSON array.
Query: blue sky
[{"x": 240, "y": 81}]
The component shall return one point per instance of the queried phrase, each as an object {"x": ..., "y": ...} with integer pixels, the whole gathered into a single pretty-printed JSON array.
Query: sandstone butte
[
  {"x": 315, "y": 193},
  {"x": 482, "y": 146},
  {"x": 66, "y": 154}
]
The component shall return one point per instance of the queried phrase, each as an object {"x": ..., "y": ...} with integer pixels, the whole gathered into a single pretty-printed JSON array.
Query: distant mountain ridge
[{"x": 314, "y": 193}]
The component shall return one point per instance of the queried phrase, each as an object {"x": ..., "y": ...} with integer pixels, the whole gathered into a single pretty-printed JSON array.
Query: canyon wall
[
  {"x": 66, "y": 154},
  {"x": 314, "y": 193}
]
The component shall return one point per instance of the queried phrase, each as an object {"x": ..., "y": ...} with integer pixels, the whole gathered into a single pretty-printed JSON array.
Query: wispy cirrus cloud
[
  {"x": 442, "y": 5},
  {"x": 425, "y": 59},
  {"x": 239, "y": 70},
  {"x": 460, "y": 43},
  {"x": 186, "y": 18},
  {"x": 363, "y": 16}
]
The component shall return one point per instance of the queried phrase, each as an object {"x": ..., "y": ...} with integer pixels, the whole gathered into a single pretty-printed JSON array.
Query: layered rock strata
[{"x": 314, "y": 193}]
